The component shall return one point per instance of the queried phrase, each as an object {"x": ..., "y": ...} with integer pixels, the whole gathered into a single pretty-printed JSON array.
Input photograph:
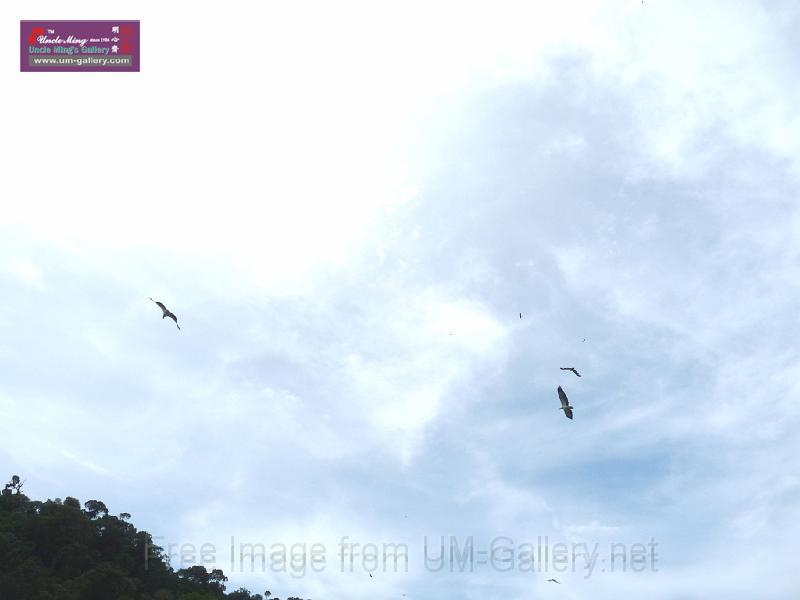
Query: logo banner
[{"x": 79, "y": 46}]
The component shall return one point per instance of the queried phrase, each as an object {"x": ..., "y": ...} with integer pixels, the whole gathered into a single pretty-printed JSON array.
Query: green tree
[{"x": 54, "y": 550}]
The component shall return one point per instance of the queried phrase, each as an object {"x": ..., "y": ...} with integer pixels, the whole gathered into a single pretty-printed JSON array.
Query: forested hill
[{"x": 56, "y": 550}]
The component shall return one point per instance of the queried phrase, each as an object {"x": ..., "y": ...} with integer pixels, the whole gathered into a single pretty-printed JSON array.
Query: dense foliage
[{"x": 56, "y": 550}]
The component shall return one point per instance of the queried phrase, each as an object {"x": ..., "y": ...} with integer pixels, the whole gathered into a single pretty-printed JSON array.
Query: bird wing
[
  {"x": 568, "y": 412},
  {"x": 563, "y": 397},
  {"x": 173, "y": 317},
  {"x": 574, "y": 370},
  {"x": 161, "y": 306}
]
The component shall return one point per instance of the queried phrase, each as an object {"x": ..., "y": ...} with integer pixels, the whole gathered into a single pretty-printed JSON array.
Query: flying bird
[
  {"x": 573, "y": 369},
  {"x": 564, "y": 403},
  {"x": 166, "y": 312},
  {"x": 520, "y": 315},
  {"x": 554, "y": 581}
]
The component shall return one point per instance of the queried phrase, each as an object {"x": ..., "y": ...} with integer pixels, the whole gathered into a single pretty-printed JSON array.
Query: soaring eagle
[
  {"x": 573, "y": 369},
  {"x": 564, "y": 403},
  {"x": 166, "y": 312}
]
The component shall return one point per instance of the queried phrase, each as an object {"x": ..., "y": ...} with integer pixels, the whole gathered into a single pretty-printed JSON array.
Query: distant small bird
[
  {"x": 370, "y": 575},
  {"x": 573, "y": 369},
  {"x": 520, "y": 315},
  {"x": 166, "y": 312},
  {"x": 553, "y": 580},
  {"x": 584, "y": 339},
  {"x": 564, "y": 403}
]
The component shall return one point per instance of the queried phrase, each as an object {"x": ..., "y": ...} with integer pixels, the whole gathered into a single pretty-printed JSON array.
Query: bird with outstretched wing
[
  {"x": 166, "y": 312},
  {"x": 564, "y": 403},
  {"x": 573, "y": 369}
]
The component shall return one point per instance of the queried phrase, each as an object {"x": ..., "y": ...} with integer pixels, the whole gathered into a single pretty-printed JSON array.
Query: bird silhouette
[
  {"x": 166, "y": 312},
  {"x": 564, "y": 403},
  {"x": 554, "y": 581},
  {"x": 573, "y": 369}
]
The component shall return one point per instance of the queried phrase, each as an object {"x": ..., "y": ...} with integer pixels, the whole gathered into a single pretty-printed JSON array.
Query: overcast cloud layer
[{"x": 348, "y": 228}]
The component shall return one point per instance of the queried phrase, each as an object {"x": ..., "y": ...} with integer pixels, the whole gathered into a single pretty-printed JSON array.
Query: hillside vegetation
[{"x": 56, "y": 550}]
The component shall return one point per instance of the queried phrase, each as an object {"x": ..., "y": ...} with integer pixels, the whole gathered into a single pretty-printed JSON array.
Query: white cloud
[{"x": 27, "y": 272}]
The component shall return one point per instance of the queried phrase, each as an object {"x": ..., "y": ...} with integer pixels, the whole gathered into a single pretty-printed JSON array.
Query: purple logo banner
[{"x": 79, "y": 45}]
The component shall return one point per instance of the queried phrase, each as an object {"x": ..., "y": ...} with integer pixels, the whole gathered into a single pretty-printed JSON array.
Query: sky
[{"x": 348, "y": 205}]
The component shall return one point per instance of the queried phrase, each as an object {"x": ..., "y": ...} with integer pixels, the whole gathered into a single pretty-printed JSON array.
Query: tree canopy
[{"x": 56, "y": 550}]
